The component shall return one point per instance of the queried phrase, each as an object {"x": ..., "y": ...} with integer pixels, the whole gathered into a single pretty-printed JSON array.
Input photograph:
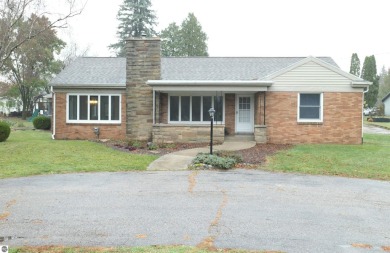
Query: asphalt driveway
[{"x": 236, "y": 209}]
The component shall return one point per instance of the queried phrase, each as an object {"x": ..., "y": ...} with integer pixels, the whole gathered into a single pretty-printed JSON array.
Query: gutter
[{"x": 254, "y": 83}]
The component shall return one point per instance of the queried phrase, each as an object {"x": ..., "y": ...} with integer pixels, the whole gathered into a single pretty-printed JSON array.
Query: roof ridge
[{"x": 224, "y": 57}]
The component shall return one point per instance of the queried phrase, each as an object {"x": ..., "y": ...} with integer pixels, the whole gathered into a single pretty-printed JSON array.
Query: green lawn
[
  {"x": 370, "y": 160},
  {"x": 31, "y": 152},
  {"x": 381, "y": 124}
]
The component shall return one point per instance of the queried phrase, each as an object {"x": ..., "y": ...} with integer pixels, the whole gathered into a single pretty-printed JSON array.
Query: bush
[
  {"x": 42, "y": 122},
  {"x": 5, "y": 131},
  {"x": 230, "y": 154},
  {"x": 215, "y": 161}
]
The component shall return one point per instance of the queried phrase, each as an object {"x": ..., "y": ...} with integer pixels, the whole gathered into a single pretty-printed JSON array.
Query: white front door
[{"x": 244, "y": 114}]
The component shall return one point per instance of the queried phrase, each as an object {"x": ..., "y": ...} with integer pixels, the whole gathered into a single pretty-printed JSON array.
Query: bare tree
[
  {"x": 71, "y": 52},
  {"x": 13, "y": 12}
]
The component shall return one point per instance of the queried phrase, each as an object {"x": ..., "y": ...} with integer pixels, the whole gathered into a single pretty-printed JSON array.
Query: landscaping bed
[
  {"x": 142, "y": 148},
  {"x": 258, "y": 154},
  {"x": 252, "y": 157}
]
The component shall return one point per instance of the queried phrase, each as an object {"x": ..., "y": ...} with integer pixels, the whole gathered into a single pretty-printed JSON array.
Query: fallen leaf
[{"x": 361, "y": 245}]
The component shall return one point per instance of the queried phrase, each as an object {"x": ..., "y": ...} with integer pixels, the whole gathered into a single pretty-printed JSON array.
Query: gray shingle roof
[
  {"x": 92, "y": 71},
  {"x": 226, "y": 68}
]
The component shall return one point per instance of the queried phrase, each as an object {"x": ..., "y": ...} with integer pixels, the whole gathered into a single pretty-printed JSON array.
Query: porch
[{"x": 180, "y": 111}]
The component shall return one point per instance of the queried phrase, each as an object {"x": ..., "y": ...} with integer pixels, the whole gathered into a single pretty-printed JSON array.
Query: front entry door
[{"x": 244, "y": 114}]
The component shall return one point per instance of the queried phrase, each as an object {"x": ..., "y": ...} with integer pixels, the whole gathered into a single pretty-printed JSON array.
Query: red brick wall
[
  {"x": 342, "y": 119},
  {"x": 230, "y": 113},
  {"x": 85, "y": 131},
  {"x": 164, "y": 108},
  {"x": 259, "y": 108}
]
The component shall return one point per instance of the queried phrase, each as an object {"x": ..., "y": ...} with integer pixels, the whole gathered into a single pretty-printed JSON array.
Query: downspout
[
  {"x": 54, "y": 114},
  {"x": 264, "y": 107}
]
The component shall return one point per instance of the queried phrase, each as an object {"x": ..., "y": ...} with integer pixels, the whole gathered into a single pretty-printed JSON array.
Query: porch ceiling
[{"x": 222, "y": 85}]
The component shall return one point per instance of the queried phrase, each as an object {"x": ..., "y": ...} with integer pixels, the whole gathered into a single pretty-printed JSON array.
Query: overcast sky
[{"x": 335, "y": 28}]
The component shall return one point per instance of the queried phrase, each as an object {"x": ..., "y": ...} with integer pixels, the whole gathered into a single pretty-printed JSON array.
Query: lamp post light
[{"x": 211, "y": 111}]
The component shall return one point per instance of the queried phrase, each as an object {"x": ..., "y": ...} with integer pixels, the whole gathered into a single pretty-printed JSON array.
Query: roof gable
[
  {"x": 386, "y": 97},
  {"x": 317, "y": 61}
]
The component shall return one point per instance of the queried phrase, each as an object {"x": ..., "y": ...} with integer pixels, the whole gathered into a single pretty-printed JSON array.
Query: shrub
[
  {"x": 152, "y": 146},
  {"x": 230, "y": 154},
  {"x": 135, "y": 144},
  {"x": 5, "y": 131},
  {"x": 42, "y": 122},
  {"x": 215, "y": 161}
]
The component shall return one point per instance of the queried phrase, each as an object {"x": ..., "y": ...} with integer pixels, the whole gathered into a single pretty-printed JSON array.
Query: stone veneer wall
[
  {"x": 164, "y": 133},
  {"x": 143, "y": 64},
  {"x": 260, "y": 134},
  {"x": 342, "y": 119},
  {"x": 74, "y": 131}
]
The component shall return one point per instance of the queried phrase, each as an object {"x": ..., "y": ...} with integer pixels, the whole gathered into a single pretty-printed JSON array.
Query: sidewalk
[{"x": 180, "y": 160}]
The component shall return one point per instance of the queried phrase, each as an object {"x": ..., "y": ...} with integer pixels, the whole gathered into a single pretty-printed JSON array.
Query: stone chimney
[{"x": 143, "y": 63}]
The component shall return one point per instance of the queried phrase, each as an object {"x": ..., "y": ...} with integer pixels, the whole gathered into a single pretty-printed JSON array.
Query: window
[
  {"x": 310, "y": 107},
  {"x": 93, "y": 108},
  {"x": 195, "y": 109}
]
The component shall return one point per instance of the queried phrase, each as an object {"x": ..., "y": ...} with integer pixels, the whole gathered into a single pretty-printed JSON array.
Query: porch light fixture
[
  {"x": 93, "y": 102},
  {"x": 212, "y": 112}
]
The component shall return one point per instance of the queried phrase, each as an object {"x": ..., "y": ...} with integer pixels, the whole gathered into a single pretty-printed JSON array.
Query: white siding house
[{"x": 386, "y": 103}]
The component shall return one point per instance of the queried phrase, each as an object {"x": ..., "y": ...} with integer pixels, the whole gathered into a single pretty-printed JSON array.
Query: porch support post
[{"x": 154, "y": 107}]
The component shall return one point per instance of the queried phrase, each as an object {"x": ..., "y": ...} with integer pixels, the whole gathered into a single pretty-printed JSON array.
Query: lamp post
[{"x": 211, "y": 111}]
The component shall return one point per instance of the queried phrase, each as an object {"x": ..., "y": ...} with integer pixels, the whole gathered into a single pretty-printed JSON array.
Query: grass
[
  {"x": 381, "y": 124},
  {"x": 147, "y": 249},
  {"x": 370, "y": 160},
  {"x": 29, "y": 152}
]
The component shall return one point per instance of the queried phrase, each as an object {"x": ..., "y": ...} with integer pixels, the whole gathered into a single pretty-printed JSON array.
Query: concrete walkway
[{"x": 180, "y": 160}]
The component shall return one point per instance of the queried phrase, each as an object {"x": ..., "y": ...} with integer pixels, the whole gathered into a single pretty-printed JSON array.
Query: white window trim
[
  {"x": 78, "y": 121},
  {"x": 201, "y": 122},
  {"x": 321, "y": 119}
]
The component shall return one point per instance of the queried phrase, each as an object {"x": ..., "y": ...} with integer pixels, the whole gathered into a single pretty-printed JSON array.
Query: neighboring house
[
  {"x": 9, "y": 106},
  {"x": 386, "y": 103},
  {"x": 146, "y": 97}
]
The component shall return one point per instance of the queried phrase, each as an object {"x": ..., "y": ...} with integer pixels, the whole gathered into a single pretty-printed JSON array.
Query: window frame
[
  {"x": 321, "y": 112},
  {"x": 190, "y": 122},
  {"x": 98, "y": 121}
]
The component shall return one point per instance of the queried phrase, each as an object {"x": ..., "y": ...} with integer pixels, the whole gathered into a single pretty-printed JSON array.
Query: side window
[
  {"x": 310, "y": 107},
  {"x": 95, "y": 108}
]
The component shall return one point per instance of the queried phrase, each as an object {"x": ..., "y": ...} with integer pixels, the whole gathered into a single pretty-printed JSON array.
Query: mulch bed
[
  {"x": 258, "y": 154},
  {"x": 252, "y": 157}
]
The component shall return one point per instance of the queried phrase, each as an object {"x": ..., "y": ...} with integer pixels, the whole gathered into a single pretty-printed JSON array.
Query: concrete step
[{"x": 239, "y": 138}]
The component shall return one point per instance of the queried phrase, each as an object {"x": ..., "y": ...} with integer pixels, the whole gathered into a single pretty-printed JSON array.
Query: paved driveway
[
  {"x": 235, "y": 209},
  {"x": 370, "y": 129}
]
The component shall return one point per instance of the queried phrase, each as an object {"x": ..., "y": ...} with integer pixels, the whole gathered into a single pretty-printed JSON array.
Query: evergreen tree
[
  {"x": 369, "y": 73},
  {"x": 170, "y": 41},
  {"x": 136, "y": 18},
  {"x": 186, "y": 40},
  {"x": 355, "y": 65},
  {"x": 193, "y": 38}
]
